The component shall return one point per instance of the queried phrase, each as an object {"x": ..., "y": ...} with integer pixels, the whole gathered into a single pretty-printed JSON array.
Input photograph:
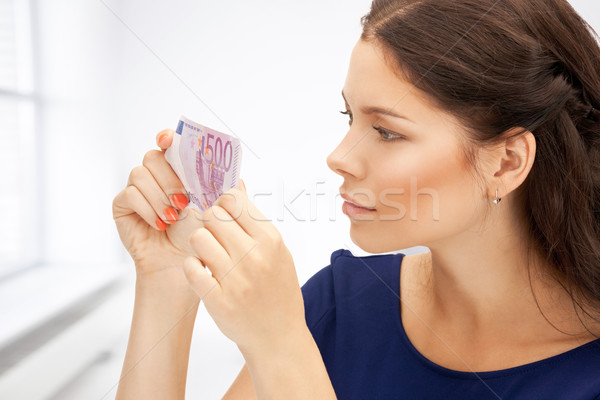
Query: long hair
[{"x": 531, "y": 64}]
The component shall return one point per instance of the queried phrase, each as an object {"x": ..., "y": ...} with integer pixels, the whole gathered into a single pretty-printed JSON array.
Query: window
[{"x": 19, "y": 189}]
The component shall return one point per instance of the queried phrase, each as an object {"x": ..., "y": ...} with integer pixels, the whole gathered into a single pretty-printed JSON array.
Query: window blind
[{"x": 8, "y": 46}]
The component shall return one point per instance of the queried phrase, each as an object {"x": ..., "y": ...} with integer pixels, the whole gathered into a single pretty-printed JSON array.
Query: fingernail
[
  {"x": 171, "y": 214},
  {"x": 162, "y": 137},
  {"x": 180, "y": 200},
  {"x": 161, "y": 224}
]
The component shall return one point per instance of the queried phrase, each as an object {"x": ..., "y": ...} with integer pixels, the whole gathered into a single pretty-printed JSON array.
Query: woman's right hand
[{"x": 151, "y": 215}]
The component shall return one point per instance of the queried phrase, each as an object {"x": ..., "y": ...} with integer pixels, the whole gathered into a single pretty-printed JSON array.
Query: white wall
[
  {"x": 590, "y": 10},
  {"x": 79, "y": 76}
]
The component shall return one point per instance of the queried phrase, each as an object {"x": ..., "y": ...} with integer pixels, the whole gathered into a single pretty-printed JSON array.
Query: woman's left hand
[{"x": 253, "y": 294}]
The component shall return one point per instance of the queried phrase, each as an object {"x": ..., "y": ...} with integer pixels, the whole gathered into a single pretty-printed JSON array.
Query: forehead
[
  {"x": 370, "y": 76},
  {"x": 372, "y": 80}
]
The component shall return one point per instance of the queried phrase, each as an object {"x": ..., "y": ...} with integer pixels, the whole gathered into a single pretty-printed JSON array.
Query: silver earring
[{"x": 497, "y": 199}]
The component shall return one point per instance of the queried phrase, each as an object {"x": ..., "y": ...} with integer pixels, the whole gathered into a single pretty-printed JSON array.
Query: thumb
[
  {"x": 200, "y": 279},
  {"x": 242, "y": 185}
]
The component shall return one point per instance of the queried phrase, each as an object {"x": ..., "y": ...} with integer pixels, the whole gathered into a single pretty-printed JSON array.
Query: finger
[
  {"x": 141, "y": 178},
  {"x": 164, "y": 138},
  {"x": 249, "y": 218},
  {"x": 189, "y": 220},
  {"x": 130, "y": 200},
  {"x": 205, "y": 286},
  {"x": 242, "y": 186},
  {"x": 211, "y": 253},
  {"x": 227, "y": 231},
  {"x": 166, "y": 178}
]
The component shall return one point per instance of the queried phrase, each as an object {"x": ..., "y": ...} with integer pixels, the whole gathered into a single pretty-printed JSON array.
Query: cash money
[{"x": 206, "y": 161}]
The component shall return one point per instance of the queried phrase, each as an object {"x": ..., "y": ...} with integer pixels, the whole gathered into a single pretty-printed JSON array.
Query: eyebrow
[{"x": 379, "y": 110}]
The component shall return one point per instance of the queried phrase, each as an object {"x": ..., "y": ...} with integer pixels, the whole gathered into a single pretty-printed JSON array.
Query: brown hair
[{"x": 502, "y": 64}]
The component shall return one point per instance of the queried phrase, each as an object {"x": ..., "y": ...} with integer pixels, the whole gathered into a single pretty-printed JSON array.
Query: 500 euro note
[{"x": 206, "y": 161}]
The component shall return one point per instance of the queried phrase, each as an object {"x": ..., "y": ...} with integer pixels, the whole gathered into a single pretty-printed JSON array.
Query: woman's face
[{"x": 418, "y": 184}]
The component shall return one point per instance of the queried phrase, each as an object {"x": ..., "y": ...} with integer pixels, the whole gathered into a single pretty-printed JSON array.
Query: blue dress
[{"x": 353, "y": 312}]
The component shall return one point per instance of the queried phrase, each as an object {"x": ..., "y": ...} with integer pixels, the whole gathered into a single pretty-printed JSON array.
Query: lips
[{"x": 351, "y": 200}]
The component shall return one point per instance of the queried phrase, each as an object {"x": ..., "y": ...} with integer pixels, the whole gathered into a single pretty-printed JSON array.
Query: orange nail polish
[
  {"x": 180, "y": 200},
  {"x": 162, "y": 137},
  {"x": 171, "y": 214},
  {"x": 161, "y": 224}
]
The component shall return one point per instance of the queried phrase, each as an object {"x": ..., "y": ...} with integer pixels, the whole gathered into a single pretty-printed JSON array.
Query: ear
[{"x": 514, "y": 160}]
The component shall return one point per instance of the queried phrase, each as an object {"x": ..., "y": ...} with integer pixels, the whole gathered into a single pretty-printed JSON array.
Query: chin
[{"x": 373, "y": 244}]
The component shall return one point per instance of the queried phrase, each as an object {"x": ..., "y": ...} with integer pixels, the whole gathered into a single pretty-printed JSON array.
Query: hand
[
  {"x": 253, "y": 294},
  {"x": 150, "y": 213}
]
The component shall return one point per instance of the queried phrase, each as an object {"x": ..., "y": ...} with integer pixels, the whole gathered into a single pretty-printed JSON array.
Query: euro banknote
[{"x": 206, "y": 161}]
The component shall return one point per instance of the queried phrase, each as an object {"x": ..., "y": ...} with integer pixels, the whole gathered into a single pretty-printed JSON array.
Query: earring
[{"x": 497, "y": 199}]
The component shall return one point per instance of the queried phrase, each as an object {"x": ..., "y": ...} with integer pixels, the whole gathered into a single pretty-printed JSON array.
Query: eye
[
  {"x": 348, "y": 113},
  {"x": 387, "y": 136}
]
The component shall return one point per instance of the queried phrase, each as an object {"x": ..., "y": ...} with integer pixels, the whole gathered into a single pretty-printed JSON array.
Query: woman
[{"x": 474, "y": 131}]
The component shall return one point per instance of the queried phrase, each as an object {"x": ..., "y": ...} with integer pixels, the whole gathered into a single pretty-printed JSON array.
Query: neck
[{"x": 485, "y": 280}]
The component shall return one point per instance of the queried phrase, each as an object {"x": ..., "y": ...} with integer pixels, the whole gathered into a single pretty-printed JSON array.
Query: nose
[{"x": 345, "y": 159}]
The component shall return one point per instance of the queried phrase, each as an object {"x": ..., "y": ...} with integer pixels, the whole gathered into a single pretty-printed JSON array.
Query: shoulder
[
  {"x": 574, "y": 374},
  {"x": 349, "y": 278}
]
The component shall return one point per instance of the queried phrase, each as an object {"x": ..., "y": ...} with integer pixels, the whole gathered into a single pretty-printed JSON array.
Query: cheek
[
  {"x": 423, "y": 195},
  {"x": 430, "y": 186}
]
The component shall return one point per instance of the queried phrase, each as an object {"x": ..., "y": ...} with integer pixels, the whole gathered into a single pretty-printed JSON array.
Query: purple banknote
[{"x": 206, "y": 161}]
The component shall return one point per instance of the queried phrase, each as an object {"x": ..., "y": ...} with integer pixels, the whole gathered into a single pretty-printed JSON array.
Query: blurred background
[{"x": 84, "y": 88}]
